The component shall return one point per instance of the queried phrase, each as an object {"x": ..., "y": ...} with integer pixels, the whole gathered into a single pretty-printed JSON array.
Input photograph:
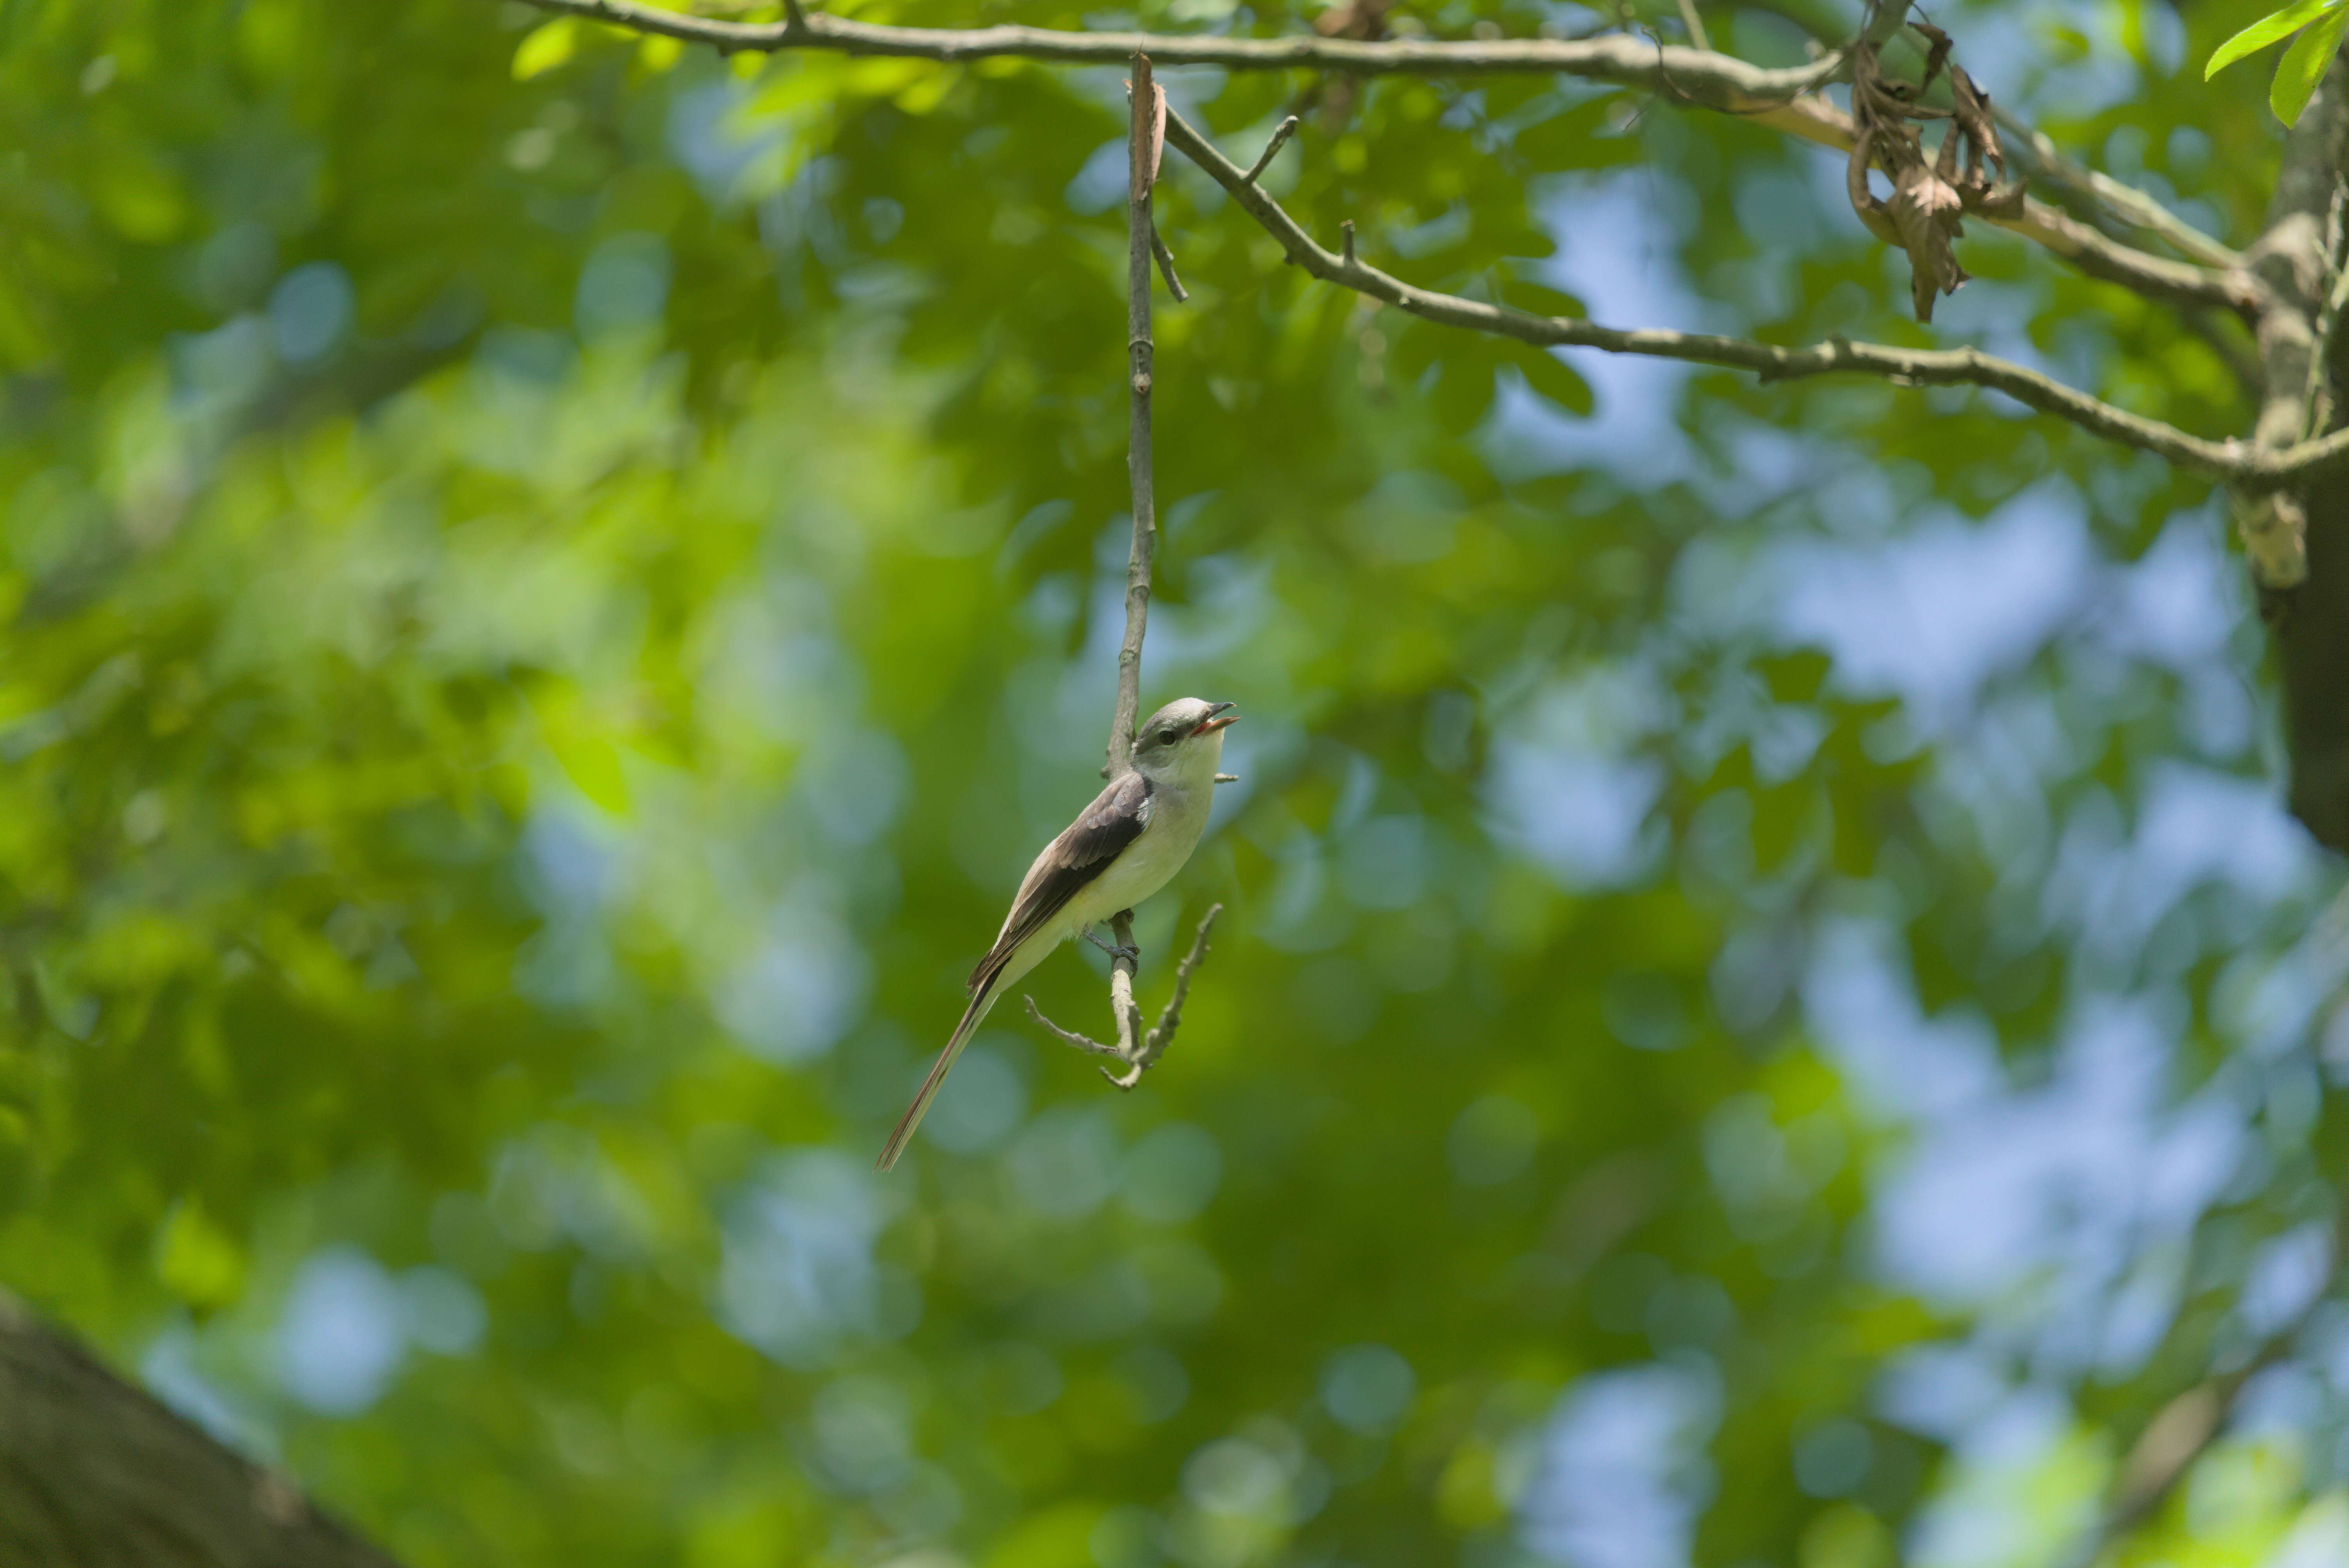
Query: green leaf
[
  {"x": 545, "y": 49},
  {"x": 197, "y": 1261},
  {"x": 1543, "y": 300},
  {"x": 660, "y": 53},
  {"x": 1583, "y": 137},
  {"x": 2268, "y": 29},
  {"x": 594, "y": 767},
  {"x": 1556, "y": 380},
  {"x": 1462, "y": 391},
  {"x": 2302, "y": 66}
]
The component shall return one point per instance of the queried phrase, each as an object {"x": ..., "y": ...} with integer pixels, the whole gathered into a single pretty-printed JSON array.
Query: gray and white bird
[{"x": 1120, "y": 848}]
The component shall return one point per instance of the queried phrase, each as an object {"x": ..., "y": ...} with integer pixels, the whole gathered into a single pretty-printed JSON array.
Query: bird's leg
[{"x": 1127, "y": 950}]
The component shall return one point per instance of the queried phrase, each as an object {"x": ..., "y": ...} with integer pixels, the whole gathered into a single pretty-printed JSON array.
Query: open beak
[{"x": 1219, "y": 716}]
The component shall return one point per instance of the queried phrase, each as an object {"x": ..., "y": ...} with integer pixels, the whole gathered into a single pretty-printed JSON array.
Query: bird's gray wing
[{"x": 1083, "y": 851}]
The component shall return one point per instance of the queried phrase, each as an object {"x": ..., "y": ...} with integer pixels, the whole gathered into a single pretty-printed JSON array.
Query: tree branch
[
  {"x": 2185, "y": 1428},
  {"x": 1146, "y": 117},
  {"x": 1718, "y": 81},
  {"x": 1162, "y": 1034},
  {"x": 1918, "y": 366},
  {"x": 94, "y": 1471},
  {"x": 2182, "y": 1431},
  {"x": 2101, "y": 256},
  {"x": 1784, "y": 99},
  {"x": 2178, "y": 1434},
  {"x": 1280, "y": 135}
]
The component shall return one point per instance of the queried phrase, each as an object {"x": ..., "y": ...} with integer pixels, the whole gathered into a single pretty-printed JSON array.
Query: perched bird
[{"x": 1120, "y": 848}]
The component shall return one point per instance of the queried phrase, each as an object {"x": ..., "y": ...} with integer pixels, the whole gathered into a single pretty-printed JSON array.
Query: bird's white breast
[{"x": 1173, "y": 819}]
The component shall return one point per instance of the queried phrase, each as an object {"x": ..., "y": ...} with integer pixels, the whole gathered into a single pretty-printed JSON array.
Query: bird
[{"x": 1122, "y": 847}]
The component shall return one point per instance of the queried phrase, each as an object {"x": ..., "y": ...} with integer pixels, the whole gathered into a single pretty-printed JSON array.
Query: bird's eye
[{"x": 1169, "y": 736}]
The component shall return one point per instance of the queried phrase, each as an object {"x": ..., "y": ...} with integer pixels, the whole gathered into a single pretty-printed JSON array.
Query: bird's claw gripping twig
[{"x": 1127, "y": 950}]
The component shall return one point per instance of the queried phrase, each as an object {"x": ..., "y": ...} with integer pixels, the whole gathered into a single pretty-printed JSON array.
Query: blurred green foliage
[{"x": 553, "y": 583}]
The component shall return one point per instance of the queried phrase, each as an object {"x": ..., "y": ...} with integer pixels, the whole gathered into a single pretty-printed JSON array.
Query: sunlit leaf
[
  {"x": 546, "y": 47},
  {"x": 659, "y": 53},
  {"x": 2303, "y": 64},
  {"x": 197, "y": 1261},
  {"x": 2269, "y": 29}
]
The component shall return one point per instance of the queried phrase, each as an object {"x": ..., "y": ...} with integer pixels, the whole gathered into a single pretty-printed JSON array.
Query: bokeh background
[{"x": 1768, "y": 1014}]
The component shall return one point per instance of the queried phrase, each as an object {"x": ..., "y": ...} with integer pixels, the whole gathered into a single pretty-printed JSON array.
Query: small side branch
[
  {"x": 1695, "y": 26},
  {"x": 1166, "y": 265},
  {"x": 2038, "y": 155},
  {"x": 1136, "y": 1049},
  {"x": 1162, "y": 1035},
  {"x": 1287, "y": 129}
]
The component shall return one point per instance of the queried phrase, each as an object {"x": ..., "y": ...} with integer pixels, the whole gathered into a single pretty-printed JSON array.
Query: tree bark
[
  {"x": 2309, "y": 619},
  {"x": 96, "y": 1473}
]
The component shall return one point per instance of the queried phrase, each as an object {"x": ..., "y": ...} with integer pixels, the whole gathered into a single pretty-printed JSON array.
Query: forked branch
[{"x": 1136, "y": 1048}]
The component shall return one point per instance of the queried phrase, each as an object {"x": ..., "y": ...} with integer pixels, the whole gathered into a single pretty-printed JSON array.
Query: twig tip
[{"x": 1281, "y": 133}]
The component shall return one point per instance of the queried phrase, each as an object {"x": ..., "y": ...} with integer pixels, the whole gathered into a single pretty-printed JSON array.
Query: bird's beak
[{"x": 1211, "y": 723}]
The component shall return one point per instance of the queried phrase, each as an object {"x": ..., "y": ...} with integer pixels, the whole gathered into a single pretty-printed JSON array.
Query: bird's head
[{"x": 1182, "y": 742}]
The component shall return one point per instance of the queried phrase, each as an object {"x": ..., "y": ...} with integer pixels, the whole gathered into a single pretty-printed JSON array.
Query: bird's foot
[{"x": 1128, "y": 952}]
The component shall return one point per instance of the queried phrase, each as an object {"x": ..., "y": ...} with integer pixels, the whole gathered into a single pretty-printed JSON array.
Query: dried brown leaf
[
  {"x": 1996, "y": 201},
  {"x": 1928, "y": 214},
  {"x": 1364, "y": 19},
  {"x": 1972, "y": 111},
  {"x": 1864, "y": 204},
  {"x": 1936, "y": 52}
]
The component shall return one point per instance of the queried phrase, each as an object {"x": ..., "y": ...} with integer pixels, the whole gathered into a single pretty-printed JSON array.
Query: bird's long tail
[{"x": 979, "y": 1003}]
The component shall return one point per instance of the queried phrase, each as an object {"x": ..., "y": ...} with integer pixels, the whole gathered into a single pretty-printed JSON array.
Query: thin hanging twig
[
  {"x": 1145, "y": 139},
  {"x": 1146, "y": 144}
]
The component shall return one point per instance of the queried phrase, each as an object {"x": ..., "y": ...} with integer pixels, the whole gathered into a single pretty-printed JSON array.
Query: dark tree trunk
[
  {"x": 96, "y": 1473},
  {"x": 2311, "y": 639}
]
